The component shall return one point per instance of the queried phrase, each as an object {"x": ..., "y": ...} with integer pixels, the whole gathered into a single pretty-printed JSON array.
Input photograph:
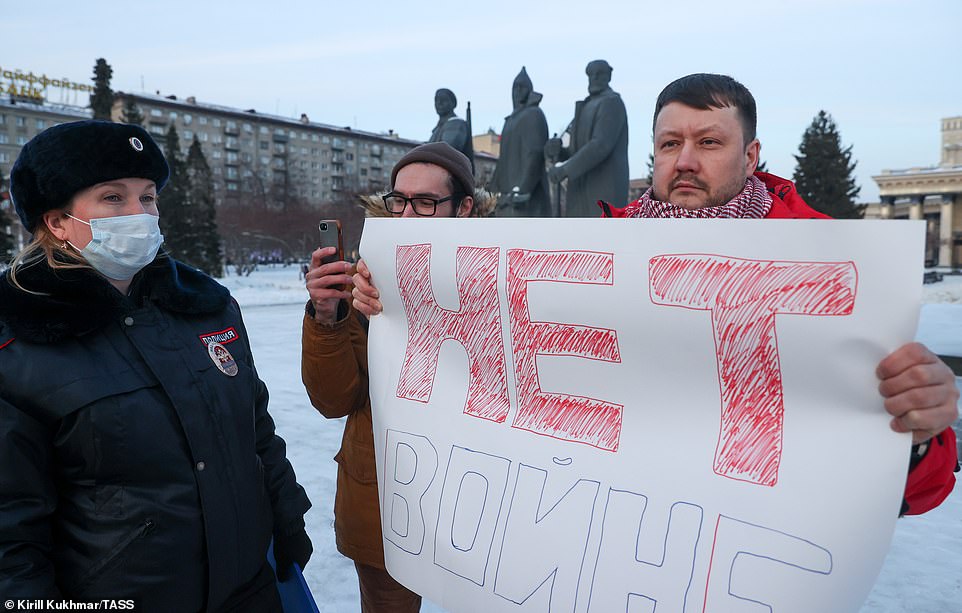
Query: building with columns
[{"x": 931, "y": 193}]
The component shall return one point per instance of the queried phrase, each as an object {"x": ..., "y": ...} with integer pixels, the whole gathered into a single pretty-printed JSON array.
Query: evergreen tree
[
  {"x": 762, "y": 167},
  {"x": 102, "y": 100},
  {"x": 200, "y": 199},
  {"x": 823, "y": 174},
  {"x": 175, "y": 214},
  {"x": 131, "y": 113}
]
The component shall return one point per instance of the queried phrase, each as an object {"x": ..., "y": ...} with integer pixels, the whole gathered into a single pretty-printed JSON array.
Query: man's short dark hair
[{"x": 706, "y": 91}]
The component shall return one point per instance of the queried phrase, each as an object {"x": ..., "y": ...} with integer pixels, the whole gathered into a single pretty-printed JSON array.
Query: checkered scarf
[{"x": 753, "y": 202}]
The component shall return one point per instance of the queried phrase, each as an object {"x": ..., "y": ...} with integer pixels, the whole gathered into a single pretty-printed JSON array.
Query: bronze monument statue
[
  {"x": 520, "y": 175},
  {"x": 450, "y": 128},
  {"x": 595, "y": 160}
]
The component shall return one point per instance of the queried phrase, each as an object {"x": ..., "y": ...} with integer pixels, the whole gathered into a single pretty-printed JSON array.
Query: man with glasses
[{"x": 432, "y": 180}]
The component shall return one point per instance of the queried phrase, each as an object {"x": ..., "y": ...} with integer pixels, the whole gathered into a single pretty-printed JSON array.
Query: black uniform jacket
[{"x": 130, "y": 465}]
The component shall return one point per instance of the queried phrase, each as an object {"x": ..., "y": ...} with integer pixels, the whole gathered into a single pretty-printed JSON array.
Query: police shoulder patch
[
  {"x": 227, "y": 335},
  {"x": 222, "y": 358}
]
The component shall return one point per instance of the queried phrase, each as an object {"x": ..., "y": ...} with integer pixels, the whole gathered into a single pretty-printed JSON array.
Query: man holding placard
[{"x": 705, "y": 156}]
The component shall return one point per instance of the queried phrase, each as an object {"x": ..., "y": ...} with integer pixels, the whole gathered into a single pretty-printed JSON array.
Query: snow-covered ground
[
  {"x": 921, "y": 573},
  {"x": 948, "y": 290}
]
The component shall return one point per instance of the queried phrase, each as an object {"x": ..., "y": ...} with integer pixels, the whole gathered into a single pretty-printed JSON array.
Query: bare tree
[{"x": 272, "y": 218}]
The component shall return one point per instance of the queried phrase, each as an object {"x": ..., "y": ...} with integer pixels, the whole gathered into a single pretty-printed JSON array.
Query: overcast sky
[{"x": 887, "y": 71}]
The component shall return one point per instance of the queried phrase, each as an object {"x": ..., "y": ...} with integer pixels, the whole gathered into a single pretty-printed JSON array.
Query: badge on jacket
[{"x": 222, "y": 358}]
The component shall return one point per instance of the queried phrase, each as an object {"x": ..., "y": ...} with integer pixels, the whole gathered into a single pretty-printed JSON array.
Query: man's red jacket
[{"x": 930, "y": 479}]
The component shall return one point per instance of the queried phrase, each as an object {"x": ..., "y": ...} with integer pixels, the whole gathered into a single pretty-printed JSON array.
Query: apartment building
[
  {"x": 252, "y": 152},
  {"x": 21, "y": 119}
]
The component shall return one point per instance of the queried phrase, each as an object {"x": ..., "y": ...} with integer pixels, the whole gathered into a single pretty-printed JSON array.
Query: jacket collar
[
  {"x": 786, "y": 201},
  {"x": 74, "y": 302}
]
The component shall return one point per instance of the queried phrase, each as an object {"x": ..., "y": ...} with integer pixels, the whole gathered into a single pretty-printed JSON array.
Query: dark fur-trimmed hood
[{"x": 73, "y": 302}]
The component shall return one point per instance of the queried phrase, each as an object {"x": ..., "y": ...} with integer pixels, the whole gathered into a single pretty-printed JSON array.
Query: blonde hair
[{"x": 44, "y": 246}]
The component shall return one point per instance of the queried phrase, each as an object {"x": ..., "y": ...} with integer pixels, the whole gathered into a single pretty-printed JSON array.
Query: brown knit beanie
[{"x": 443, "y": 155}]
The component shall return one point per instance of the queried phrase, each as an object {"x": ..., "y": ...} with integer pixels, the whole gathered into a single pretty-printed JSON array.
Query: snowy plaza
[{"x": 920, "y": 573}]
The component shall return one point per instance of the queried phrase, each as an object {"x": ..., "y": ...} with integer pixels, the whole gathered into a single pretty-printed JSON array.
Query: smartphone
[{"x": 330, "y": 230}]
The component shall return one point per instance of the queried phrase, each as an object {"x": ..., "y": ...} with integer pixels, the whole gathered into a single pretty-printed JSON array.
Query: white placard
[{"x": 608, "y": 415}]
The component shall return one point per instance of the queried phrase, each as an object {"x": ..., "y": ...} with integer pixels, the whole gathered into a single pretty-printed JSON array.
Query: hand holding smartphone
[
  {"x": 328, "y": 289},
  {"x": 330, "y": 231}
]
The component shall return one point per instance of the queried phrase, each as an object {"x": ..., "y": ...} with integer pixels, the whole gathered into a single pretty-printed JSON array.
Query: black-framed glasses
[{"x": 421, "y": 205}]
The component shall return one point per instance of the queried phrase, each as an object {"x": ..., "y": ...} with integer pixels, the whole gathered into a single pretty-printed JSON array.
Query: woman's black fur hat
[{"x": 64, "y": 159}]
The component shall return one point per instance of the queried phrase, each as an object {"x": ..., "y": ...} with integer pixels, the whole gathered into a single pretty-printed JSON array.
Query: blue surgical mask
[{"x": 122, "y": 245}]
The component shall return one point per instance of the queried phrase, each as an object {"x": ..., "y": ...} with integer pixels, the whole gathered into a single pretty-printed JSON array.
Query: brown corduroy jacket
[{"x": 334, "y": 371}]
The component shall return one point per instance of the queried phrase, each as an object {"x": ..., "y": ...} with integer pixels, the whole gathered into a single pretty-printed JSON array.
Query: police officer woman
[{"x": 137, "y": 456}]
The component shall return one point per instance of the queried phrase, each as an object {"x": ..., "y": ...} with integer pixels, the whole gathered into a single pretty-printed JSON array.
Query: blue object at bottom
[{"x": 296, "y": 597}]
